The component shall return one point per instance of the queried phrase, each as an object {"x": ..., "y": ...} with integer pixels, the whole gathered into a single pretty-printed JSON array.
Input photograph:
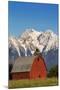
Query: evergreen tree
[
  {"x": 37, "y": 51},
  {"x": 53, "y": 71}
]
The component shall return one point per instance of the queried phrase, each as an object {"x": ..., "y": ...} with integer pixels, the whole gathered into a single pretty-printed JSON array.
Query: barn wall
[
  {"x": 20, "y": 75},
  {"x": 38, "y": 69}
]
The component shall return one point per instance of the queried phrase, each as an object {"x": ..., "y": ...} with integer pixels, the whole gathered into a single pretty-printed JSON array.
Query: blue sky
[{"x": 31, "y": 15}]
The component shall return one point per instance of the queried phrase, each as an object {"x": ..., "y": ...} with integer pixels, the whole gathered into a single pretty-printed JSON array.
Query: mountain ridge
[
  {"x": 26, "y": 44},
  {"x": 33, "y": 39}
]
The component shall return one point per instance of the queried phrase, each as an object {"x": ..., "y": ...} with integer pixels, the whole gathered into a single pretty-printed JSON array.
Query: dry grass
[{"x": 33, "y": 83}]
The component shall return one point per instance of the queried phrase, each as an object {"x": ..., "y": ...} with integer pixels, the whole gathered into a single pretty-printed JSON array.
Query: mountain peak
[
  {"x": 30, "y": 32},
  {"x": 33, "y": 39},
  {"x": 30, "y": 29}
]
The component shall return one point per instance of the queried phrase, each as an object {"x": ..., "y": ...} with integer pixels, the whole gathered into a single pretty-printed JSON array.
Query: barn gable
[
  {"x": 23, "y": 64},
  {"x": 31, "y": 67}
]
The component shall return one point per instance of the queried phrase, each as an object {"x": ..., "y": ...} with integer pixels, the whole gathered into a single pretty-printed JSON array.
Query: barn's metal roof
[{"x": 23, "y": 64}]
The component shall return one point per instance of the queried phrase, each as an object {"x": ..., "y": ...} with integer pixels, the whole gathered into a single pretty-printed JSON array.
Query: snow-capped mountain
[{"x": 31, "y": 39}]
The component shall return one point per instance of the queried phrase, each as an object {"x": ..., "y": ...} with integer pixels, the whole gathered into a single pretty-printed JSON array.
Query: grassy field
[{"x": 32, "y": 83}]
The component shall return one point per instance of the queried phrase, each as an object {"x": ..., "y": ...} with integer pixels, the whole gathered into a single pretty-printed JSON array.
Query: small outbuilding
[{"x": 29, "y": 67}]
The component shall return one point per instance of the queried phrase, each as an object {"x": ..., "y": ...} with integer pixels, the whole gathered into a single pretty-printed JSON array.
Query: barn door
[{"x": 39, "y": 76}]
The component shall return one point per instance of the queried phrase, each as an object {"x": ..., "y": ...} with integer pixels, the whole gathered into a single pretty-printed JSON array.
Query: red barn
[{"x": 29, "y": 67}]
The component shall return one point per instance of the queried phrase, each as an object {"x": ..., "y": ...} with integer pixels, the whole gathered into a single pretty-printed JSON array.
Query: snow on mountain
[
  {"x": 13, "y": 42},
  {"x": 26, "y": 44},
  {"x": 49, "y": 40},
  {"x": 32, "y": 39},
  {"x": 30, "y": 33}
]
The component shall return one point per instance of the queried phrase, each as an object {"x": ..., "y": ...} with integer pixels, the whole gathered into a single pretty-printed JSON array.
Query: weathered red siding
[
  {"x": 20, "y": 75},
  {"x": 38, "y": 69}
]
